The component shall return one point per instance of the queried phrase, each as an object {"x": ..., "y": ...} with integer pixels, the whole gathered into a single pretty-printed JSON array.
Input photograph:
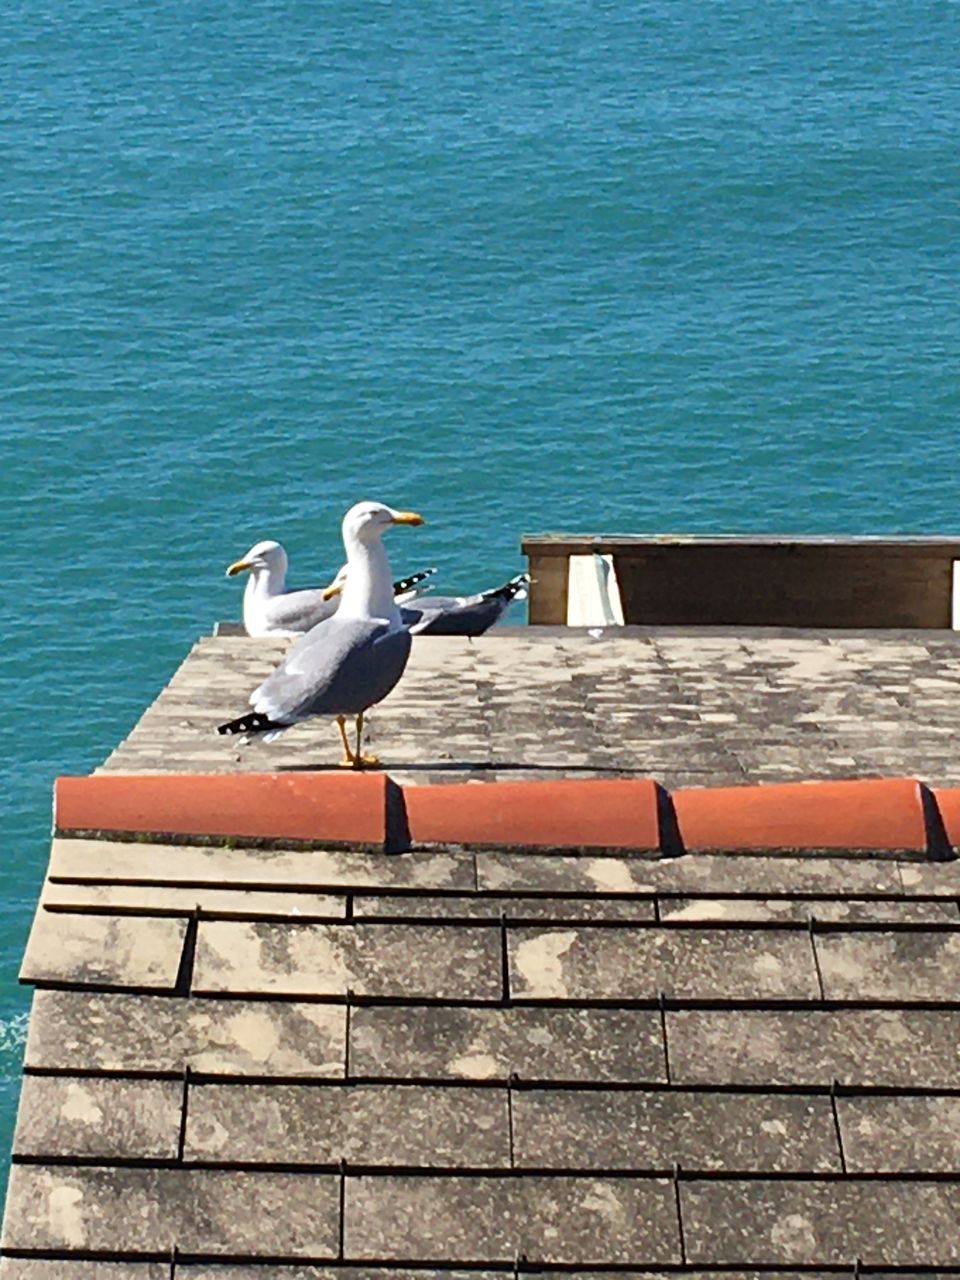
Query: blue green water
[{"x": 527, "y": 266}]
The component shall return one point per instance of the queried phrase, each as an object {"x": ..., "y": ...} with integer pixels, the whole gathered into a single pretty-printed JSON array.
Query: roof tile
[
  {"x": 911, "y": 965},
  {"x": 126, "y": 1210},
  {"x": 792, "y": 1223},
  {"x": 491, "y": 1044},
  {"x": 901, "y": 1135},
  {"x": 877, "y": 814},
  {"x": 247, "y": 903},
  {"x": 695, "y": 873},
  {"x": 82, "y": 1031},
  {"x": 583, "y": 963},
  {"x": 939, "y": 879},
  {"x": 95, "y": 950},
  {"x": 578, "y": 1220},
  {"x": 414, "y": 961},
  {"x": 221, "y": 868},
  {"x": 733, "y": 1132},
  {"x": 885, "y": 1047},
  {"x": 256, "y": 1271},
  {"x": 948, "y": 802},
  {"x": 801, "y": 910},
  {"x": 365, "y": 1124},
  {"x": 338, "y": 808},
  {"x": 605, "y": 814},
  {"x": 58, "y": 1269},
  {"x": 74, "y": 1117},
  {"x": 487, "y": 907}
]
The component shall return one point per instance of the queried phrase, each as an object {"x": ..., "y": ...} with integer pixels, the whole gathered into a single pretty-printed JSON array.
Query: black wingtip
[
  {"x": 254, "y": 722},
  {"x": 414, "y": 580},
  {"x": 510, "y": 590}
]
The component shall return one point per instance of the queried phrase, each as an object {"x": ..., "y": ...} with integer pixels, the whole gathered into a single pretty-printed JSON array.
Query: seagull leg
[
  {"x": 359, "y": 759},
  {"x": 349, "y": 760}
]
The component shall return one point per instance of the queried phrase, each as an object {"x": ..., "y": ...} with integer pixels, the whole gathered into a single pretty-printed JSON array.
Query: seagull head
[
  {"x": 368, "y": 521},
  {"x": 263, "y": 557}
]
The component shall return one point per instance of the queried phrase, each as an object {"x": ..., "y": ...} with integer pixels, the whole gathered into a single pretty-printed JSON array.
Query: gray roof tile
[
  {"x": 940, "y": 879},
  {"x": 419, "y": 961},
  {"x": 654, "y": 1130},
  {"x": 93, "y": 950},
  {"x": 901, "y": 1134},
  {"x": 107, "y": 1119},
  {"x": 129, "y": 1210},
  {"x": 363, "y": 1124},
  {"x": 611, "y": 963},
  {"x": 256, "y": 1271},
  {"x": 693, "y": 873},
  {"x": 40, "y": 1269},
  {"x": 890, "y": 966},
  {"x": 181, "y": 898},
  {"x": 489, "y": 908},
  {"x": 219, "y": 867},
  {"x": 801, "y": 910},
  {"x": 574, "y": 1220},
  {"x": 487, "y": 1044},
  {"x": 793, "y": 1223},
  {"x": 82, "y": 1031},
  {"x": 891, "y": 1047}
]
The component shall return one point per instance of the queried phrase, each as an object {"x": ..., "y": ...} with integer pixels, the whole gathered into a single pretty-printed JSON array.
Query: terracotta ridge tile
[
  {"x": 883, "y": 816},
  {"x": 337, "y": 809},
  {"x": 620, "y": 813},
  {"x": 893, "y": 817}
]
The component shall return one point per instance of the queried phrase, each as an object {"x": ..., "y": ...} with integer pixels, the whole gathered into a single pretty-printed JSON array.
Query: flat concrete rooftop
[{"x": 696, "y": 707}]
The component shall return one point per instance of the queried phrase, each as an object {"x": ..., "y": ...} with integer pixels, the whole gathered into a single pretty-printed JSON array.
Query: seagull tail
[
  {"x": 253, "y": 724},
  {"x": 515, "y": 589}
]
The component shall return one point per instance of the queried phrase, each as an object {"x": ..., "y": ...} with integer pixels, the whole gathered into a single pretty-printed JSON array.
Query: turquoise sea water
[{"x": 528, "y": 266}]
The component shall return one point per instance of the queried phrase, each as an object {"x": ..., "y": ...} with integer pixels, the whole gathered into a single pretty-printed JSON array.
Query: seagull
[
  {"x": 463, "y": 615},
  {"x": 270, "y": 609},
  {"x": 349, "y": 661},
  {"x": 459, "y": 615}
]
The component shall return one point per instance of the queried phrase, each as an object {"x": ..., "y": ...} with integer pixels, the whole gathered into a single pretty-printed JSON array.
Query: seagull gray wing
[
  {"x": 299, "y": 610},
  {"x": 341, "y": 667},
  {"x": 463, "y": 615}
]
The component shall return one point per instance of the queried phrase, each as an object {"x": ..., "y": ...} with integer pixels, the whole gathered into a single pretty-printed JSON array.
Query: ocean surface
[{"x": 523, "y": 267}]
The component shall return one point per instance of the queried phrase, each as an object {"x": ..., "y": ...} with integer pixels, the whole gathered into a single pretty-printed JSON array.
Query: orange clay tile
[
  {"x": 948, "y": 802},
  {"x": 340, "y": 808},
  {"x": 577, "y": 814},
  {"x": 882, "y": 814}
]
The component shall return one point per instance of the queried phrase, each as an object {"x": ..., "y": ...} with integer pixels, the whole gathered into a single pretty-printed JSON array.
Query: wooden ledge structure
[
  {"x": 701, "y": 580},
  {"x": 643, "y": 957}
]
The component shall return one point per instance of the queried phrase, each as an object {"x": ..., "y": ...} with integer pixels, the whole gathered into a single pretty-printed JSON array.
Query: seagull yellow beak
[
  {"x": 238, "y": 566},
  {"x": 334, "y": 589},
  {"x": 408, "y": 517}
]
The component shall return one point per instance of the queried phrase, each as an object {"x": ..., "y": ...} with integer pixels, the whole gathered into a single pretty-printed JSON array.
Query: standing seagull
[
  {"x": 270, "y": 609},
  {"x": 350, "y": 661}
]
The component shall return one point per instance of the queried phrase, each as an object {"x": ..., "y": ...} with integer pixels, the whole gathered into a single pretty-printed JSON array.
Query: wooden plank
[
  {"x": 784, "y": 586},
  {"x": 548, "y": 590}
]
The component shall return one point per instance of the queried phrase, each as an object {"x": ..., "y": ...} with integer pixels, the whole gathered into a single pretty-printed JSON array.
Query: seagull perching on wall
[
  {"x": 270, "y": 609},
  {"x": 350, "y": 661}
]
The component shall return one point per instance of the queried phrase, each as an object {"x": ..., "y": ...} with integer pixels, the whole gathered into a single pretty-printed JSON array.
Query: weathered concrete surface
[{"x": 689, "y": 708}]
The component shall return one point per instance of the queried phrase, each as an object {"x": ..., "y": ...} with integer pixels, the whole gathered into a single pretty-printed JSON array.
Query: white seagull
[
  {"x": 270, "y": 609},
  {"x": 349, "y": 661}
]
